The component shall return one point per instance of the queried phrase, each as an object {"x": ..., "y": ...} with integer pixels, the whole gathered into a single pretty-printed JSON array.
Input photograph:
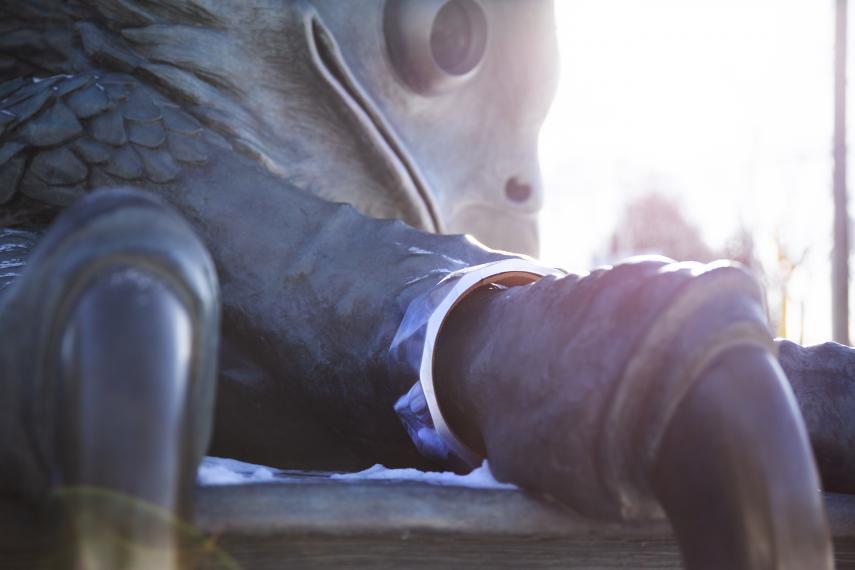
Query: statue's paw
[{"x": 648, "y": 387}]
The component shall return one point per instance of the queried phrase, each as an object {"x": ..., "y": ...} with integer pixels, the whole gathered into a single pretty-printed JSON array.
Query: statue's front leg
[
  {"x": 635, "y": 386},
  {"x": 109, "y": 354}
]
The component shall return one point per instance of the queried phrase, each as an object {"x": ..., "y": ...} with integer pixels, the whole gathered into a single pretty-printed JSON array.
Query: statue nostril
[{"x": 517, "y": 191}]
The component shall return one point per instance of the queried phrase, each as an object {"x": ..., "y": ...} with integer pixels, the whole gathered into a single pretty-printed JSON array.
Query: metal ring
[{"x": 509, "y": 272}]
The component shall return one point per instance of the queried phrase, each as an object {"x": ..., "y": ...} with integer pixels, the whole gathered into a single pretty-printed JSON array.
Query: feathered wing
[
  {"x": 36, "y": 38},
  {"x": 90, "y": 95},
  {"x": 63, "y": 135},
  {"x": 42, "y": 36}
]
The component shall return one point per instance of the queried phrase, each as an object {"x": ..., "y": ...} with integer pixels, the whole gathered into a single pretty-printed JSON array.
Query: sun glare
[{"x": 724, "y": 107}]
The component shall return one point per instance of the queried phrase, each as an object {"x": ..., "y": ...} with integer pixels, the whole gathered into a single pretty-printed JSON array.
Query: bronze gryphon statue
[{"x": 173, "y": 176}]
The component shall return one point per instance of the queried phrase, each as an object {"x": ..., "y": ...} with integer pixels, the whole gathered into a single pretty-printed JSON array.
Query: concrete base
[{"x": 314, "y": 522}]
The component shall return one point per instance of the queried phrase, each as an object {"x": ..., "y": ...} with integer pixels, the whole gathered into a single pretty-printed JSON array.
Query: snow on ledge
[
  {"x": 222, "y": 471},
  {"x": 479, "y": 478},
  {"x": 215, "y": 471}
]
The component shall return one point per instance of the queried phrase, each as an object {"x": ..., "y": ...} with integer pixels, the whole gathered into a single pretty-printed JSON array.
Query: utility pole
[{"x": 840, "y": 252}]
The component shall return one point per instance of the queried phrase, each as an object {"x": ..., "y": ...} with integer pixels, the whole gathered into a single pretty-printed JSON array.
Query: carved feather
[
  {"x": 65, "y": 135},
  {"x": 135, "y": 90}
]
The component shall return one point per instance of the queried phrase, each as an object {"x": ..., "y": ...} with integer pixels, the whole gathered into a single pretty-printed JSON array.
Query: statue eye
[
  {"x": 457, "y": 37},
  {"x": 434, "y": 44}
]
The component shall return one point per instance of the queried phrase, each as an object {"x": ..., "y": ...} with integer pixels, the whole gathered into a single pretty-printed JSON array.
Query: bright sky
[{"x": 725, "y": 104}]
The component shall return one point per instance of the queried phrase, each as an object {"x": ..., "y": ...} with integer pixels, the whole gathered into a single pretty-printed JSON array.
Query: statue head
[
  {"x": 427, "y": 110},
  {"x": 462, "y": 86}
]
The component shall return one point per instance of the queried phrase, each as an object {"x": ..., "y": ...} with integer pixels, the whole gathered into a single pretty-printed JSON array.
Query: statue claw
[
  {"x": 119, "y": 309},
  {"x": 735, "y": 473},
  {"x": 127, "y": 378}
]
